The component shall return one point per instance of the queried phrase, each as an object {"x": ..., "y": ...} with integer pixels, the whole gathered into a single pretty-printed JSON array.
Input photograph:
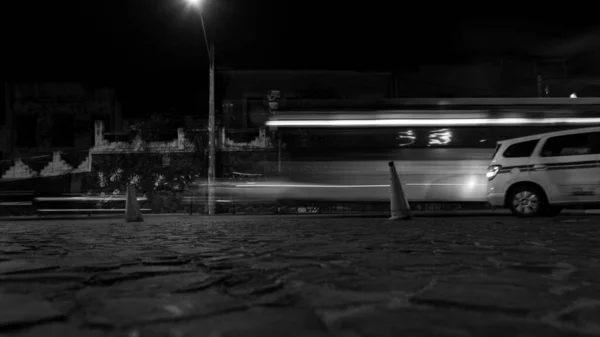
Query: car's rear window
[{"x": 520, "y": 150}]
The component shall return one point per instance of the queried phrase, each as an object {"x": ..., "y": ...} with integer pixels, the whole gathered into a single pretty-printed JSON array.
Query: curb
[{"x": 415, "y": 214}]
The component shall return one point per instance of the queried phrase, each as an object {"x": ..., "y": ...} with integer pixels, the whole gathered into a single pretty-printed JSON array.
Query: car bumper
[{"x": 496, "y": 199}]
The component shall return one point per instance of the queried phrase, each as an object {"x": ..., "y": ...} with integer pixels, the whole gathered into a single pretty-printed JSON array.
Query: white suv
[{"x": 542, "y": 174}]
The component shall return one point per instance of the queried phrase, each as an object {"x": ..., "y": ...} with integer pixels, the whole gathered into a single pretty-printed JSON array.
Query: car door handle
[{"x": 540, "y": 167}]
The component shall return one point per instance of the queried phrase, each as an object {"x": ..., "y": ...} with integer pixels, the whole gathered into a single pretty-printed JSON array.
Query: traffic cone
[
  {"x": 132, "y": 208},
  {"x": 399, "y": 208}
]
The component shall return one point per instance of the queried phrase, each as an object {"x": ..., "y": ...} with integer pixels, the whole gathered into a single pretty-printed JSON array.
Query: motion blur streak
[
  {"x": 251, "y": 185},
  {"x": 100, "y": 198},
  {"x": 431, "y": 122},
  {"x": 307, "y": 185},
  {"x": 440, "y": 137},
  {"x": 368, "y": 180},
  {"x": 408, "y": 135}
]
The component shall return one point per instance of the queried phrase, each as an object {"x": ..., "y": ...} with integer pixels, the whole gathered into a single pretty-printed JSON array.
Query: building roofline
[{"x": 297, "y": 71}]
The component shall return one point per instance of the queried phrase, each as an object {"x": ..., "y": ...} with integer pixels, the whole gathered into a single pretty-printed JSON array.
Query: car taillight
[{"x": 492, "y": 171}]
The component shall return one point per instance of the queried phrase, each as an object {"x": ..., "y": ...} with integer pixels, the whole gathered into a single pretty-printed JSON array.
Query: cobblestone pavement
[{"x": 301, "y": 276}]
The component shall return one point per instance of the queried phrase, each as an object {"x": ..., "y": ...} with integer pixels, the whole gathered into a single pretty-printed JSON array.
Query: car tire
[{"x": 527, "y": 201}]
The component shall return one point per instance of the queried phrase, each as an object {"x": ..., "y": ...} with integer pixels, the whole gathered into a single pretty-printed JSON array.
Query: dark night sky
[
  {"x": 112, "y": 36},
  {"x": 137, "y": 40}
]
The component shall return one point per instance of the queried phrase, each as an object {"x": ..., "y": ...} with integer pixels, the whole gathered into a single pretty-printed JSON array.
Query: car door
[
  {"x": 567, "y": 167},
  {"x": 595, "y": 141}
]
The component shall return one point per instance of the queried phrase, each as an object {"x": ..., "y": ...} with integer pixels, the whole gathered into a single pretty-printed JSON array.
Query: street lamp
[{"x": 211, "y": 113}]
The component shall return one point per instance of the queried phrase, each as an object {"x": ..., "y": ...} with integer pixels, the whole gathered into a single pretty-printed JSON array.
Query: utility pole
[
  {"x": 210, "y": 48},
  {"x": 211, "y": 133}
]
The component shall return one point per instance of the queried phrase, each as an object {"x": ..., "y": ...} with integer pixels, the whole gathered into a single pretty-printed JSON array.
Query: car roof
[{"x": 547, "y": 134}]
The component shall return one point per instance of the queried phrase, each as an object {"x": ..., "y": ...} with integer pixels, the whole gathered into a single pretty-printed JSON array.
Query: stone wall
[{"x": 164, "y": 171}]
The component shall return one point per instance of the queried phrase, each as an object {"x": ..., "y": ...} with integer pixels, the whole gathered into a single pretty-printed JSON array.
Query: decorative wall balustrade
[
  {"x": 45, "y": 166},
  {"x": 138, "y": 145},
  {"x": 263, "y": 141},
  {"x": 60, "y": 163}
]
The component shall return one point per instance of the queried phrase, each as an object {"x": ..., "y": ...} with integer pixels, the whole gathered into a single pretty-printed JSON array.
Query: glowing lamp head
[{"x": 195, "y": 3}]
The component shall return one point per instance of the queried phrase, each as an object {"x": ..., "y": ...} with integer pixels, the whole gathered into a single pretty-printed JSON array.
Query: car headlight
[{"x": 492, "y": 171}]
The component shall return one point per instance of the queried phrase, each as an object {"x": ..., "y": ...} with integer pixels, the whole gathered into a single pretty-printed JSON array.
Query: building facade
[
  {"x": 40, "y": 118},
  {"x": 244, "y": 102}
]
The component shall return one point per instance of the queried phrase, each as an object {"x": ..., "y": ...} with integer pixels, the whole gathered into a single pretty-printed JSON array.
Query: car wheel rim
[{"x": 526, "y": 202}]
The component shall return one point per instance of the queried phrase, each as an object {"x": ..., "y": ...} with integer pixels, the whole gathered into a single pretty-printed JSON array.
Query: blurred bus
[{"x": 441, "y": 148}]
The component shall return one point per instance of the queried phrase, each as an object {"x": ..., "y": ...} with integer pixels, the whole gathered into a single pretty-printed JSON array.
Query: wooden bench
[
  {"x": 15, "y": 200},
  {"x": 68, "y": 200}
]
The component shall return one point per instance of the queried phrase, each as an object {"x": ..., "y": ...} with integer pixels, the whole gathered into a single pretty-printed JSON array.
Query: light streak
[
  {"x": 108, "y": 198},
  {"x": 440, "y": 137},
  {"x": 410, "y": 135},
  {"x": 431, "y": 122},
  {"x": 469, "y": 184},
  {"x": 86, "y": 210}
]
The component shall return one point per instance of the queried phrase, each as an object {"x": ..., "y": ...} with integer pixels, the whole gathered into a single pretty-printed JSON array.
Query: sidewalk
[{"x": 300, "y": 276}]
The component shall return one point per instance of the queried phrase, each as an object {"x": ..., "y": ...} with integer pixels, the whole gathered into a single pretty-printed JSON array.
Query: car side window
[
  {"x": 520, "y": 150},
  {"x": 594, "y": 138},
  {"x": 572, "y": 145}
]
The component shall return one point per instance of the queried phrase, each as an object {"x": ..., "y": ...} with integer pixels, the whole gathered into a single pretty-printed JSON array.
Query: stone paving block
[
  {"x": 87, "y": 264},
  {"x": 581, "y": 315},
  {"x": 270, "y": 264},
  {"x": 311, "y": 274},
  {"x": 52, "y": 276},
  {"x": 153, "y": 270},
  {"x": 163, "y": 284},
  {"x": 359, "y": 276},
  {"x": 23, "y": 266},
  {"x": 386, "y": 261},
  {"x": 130, "y": 311},
  {"x": 60, "y": 330},
  {"x": 504, "y": 298},
  {"x": 164, "y": 260},
  {"x": 133, "y": 272},
  {"x": 392, "y": 281},
  {"x": 190, "y": 250},
  {"x": 255, "y": 322},
  {"x": 13, "y": 249},
  {"x": 18, "y": 310},
  {"x": 256, "y": 286},
  {"x": 435, "y": 322},
  {"x": 51, "y": 291},
  {"x": 330, "y": 297}
]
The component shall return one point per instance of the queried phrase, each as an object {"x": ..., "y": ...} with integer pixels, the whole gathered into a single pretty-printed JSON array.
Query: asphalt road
[{"x": 300, "y": 276}]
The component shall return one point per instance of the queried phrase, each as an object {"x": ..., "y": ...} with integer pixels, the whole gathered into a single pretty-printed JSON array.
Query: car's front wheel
[{"x": 527, "y": 201}]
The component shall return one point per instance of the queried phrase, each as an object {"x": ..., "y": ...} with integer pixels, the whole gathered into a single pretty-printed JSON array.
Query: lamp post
[{"x": 211, "y": 114}]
